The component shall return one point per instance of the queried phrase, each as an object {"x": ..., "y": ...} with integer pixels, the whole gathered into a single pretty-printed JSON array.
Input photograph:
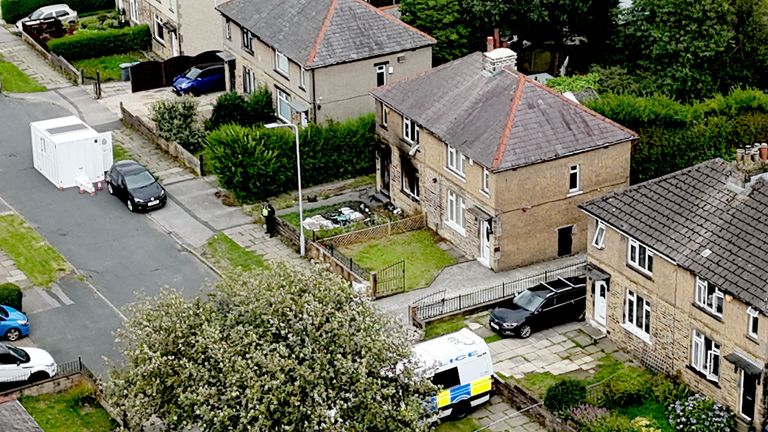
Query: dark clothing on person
[{"x": 271, "y": 220}]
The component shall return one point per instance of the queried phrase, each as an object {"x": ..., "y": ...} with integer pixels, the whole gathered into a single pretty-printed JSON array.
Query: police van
[{"x": 460, "y": 365}]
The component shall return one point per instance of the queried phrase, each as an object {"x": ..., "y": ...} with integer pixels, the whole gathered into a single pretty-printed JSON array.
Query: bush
[
  {"x": 700, "y": 414},
  {"x": 667, "y": 390},
  {"x": 564, "y": 395},
  {"x": 255, "y": 163},
  {"x": 14, "y": 10},
  {"x": 574, "y": 83},
  {"x": 627, "y": 387},
  {"x": 611, "y": 423},
  {"x": 234, "y": 108},
  {"x": 586, "y": 414},
  {"x": 176, "y": 120},
  {"x": 90, "y": 44},
  {"x": 10, "y": 295}
]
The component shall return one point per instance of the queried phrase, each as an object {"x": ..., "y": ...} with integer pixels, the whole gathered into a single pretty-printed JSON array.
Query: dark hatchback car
[
  {"x": 545, "y": 305},
  {"x": 200, "y": 79},
  {"x": 135, "y": 186}
]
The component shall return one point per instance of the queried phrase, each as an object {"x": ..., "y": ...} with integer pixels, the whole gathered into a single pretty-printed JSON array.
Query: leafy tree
[
  {"x": 176, "y": 121},
  {"x": 575, "y": 83},
  {"x": 269, "y": 350},
  {"x": 235, "y": 108},
  {"x": 447, "y": 22}
]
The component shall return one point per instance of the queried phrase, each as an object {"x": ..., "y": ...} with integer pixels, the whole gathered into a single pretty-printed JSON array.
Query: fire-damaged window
[{"x": 410, "y": 177}]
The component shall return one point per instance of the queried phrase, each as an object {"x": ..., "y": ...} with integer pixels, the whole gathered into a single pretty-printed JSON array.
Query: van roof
[{"x": 445, "y": 348}]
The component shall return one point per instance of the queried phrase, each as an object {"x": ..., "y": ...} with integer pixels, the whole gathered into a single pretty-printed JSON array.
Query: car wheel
[
  {"x": 109, "y": 188},
  {"x": 460, "y": 410},
  {"x": 13, "y": 334},
  {"x": 129, "y": 204},
  {"x": 524, "y": 331},
  {"x": 38, "y": 376}
]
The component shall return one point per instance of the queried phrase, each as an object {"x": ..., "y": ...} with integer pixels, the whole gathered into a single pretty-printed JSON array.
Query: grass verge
[
  {"x": 467, "y": 424},
  {"x": 493, "y": 338},
  {"x": 120, "y": 153},
  {"x": 29, "y": 250},
  {"x": 16, "y": 81},
  {"x": 423, "y": 258},
  {"x": 443, "y": 326},
  {"x": 108, "y": 67},
  {"x": 74, "y": 410},
  {"x": 226, "y": 254}
]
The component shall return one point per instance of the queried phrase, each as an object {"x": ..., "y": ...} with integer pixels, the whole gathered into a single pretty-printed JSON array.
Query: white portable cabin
[
  {"x": 70, "y": 153},
  {"x": 460, "y": 363}
]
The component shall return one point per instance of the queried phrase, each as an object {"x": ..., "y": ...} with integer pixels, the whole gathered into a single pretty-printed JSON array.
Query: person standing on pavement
[{"x": 270, "y": 219}]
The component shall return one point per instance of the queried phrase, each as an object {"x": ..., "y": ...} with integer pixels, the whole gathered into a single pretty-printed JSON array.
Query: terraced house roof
[
  {"x": 317, "y": 33},
  {"x": 503, "y": 120},
  {"x": 700, "y": 219}
]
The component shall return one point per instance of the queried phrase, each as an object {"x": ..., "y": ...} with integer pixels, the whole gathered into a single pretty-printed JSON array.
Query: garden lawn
[
  {"x": 16, "y": 81},
  {"x": 467, "y": 424},
  {"x": 120, "y": 153},
  {"x": 443, "y": 326},
  {"x": 651, "y": 409},
  {"x": 29, "y": 250},
  {"x": 423, "y": 258},
  {"x": 74, "y": 410},
  {"x": 107, "y": 66},
  {"x": 226, "y": 254},
  {"x": 539, "y": 382}
]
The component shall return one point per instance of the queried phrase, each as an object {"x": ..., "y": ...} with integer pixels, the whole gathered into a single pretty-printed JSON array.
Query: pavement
[
  {"x": 499, "y": 416},
  {"x": 16, "y": 51}
]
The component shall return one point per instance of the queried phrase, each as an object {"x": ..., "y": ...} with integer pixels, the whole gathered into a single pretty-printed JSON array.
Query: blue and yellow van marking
[{"x": 463, "y": 391}]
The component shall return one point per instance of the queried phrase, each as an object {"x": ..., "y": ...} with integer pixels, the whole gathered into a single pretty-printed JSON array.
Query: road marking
[{"x": 98, "y": 293}]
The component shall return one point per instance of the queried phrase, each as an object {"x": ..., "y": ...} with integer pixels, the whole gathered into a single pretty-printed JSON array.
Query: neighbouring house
[
  {"x": 179, "y": 27},
  {"x": 496, "y": 161},
  {"x": 679, "y": 277},
  {"x": 320, "y": 58}
]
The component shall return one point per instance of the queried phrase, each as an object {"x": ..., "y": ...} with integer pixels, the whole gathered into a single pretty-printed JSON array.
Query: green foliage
[
  {"x": 697, "y": 413},
  {"x": 14, "y": 10},
  {"x": 630, "y": 386},
  {"x": 284, "y": 349},
  {"x": 443, "y": 326},
  {"x": 14, "y": 80},
  {"x": 564, "y": 395},
  {"x": 611, "y": 423},
  {"x": 71, "y": 410},
  {"x": 575, "y": 83},
  {"x": 447, "y": 22},
  {"x": 667, "y": 390},
  {"x": 10, "y": 295},
  {"x": 176, "y": 120},
  {"x": 255, "y": 163},
  {"x": 90, "y": 44},
  {"x": 234, "y": 108},
  {"x": 102, "y": 21},
  {"x": 108, "y": 67}
]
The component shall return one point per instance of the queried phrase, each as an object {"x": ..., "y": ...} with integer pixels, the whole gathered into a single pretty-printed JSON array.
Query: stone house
[
  {"x": 320, "y": 58},
  {"x": 678, "y": 275},
  {"x": 496, "y": 161}
]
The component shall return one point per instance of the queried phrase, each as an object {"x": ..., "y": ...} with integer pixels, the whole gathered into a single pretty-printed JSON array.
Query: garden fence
[
  {"x": 388, "y": 281},
  {"x": 63, "y": 370},
  {"x": 385, "y": 230},
  {"x": 437, "y": 306}
]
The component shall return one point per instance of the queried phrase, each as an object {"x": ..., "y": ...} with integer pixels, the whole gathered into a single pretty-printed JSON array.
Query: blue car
[
  {"x": 13, "y": 324},
  {"x": 200, "y": 79}
]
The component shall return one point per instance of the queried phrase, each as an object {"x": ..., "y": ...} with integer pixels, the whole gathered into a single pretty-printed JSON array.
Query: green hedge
[
  {"x": 673, "y": 136},
  {"x": 10, "y": 295},
  {"x": 90, "y": 44},
  {"x": 255, "y": 163},
  {"x": 14, "y": 10}
]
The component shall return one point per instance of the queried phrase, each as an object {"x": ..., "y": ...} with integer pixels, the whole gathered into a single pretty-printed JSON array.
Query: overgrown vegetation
[
  {"x": 176, "y": 121},
  {"x": 10, "y": 295},
  {"x": 74, "y": 410},
  {"x": 227, "y": 255},
  {"x": 15, "y": 81},
  {"x": 31, "y": 253},
  {"x": 14, "y": 10},
  {"x": 235, "y": 108},
  {"x": 102, "y": 21},
  {"x": 108, "y": 67},
  {"x": 85, "y": 44}
]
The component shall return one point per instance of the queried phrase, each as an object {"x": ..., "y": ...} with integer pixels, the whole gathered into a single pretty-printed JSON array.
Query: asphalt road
[{"x": 122, "y": 254}]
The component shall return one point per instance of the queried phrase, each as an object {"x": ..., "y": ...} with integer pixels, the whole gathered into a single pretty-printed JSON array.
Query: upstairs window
[
  {"x": 228, "y": 30},
  {"x": 302, "y": 77},
  {"x": 709, "y": 297},
  {"x": 456, "y": 161},
  {"x": 384, "y": 113},
  {"x": 753, "y": 317},
  {"x": 159, "y": 29},
  {"x": 410, "y": 131},
  {"x": 486, "y": 181},
  {"x": 247, "y": 39},
  {"x": 381, "y": 74},
  {"x": 705, "y": 356},
  {"x": 599, "y": 240},
  {"x": 573, "y": 179},
  {"x": 281, "y": 63},
  {"x": 640, "y": 257}
]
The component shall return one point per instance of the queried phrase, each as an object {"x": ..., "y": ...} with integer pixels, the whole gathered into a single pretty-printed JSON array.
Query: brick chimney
[{"x": 489, "y": 44}]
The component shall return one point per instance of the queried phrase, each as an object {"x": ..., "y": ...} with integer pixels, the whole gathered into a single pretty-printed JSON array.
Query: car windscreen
[
  {"x": 193, "y": 73},
  {"x": 528, "y": 300},
  {"x": 139, "y": 179},
  {"x": 36, "y": 14},
  {"x": 19, "y": 353}
]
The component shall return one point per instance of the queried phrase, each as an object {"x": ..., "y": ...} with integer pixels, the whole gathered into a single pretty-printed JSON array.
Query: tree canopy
[{"x": 282, "y": 349}]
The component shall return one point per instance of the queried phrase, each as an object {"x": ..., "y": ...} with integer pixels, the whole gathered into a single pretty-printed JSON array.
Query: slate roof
[
  {"x": 317, "y": 33},
  {"x": 688, "y": 212},
  {"x": 14, "y": 418},
  {"x": 502, "y": 121}
]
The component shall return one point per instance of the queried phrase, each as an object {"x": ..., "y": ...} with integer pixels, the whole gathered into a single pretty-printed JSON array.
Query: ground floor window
[
  {"x": 283, "y": 106},
  {"x": 455, "y": 211},
  {"x": 637, "y": 315},
  {"x": 409, "y": 177},
  {"x": 249, "y": 79},
  {"x": 705, "y": 356}
]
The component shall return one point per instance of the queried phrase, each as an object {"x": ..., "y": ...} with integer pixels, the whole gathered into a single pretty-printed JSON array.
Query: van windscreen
[{"x": 447, "y": 378}]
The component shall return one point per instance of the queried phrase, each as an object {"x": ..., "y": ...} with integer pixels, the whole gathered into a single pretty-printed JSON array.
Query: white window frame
[
  {"x": 302, "y": 78},
  {"x": 249, "y": 80},
  {"x": 598, "y": 240},
  {"x": 410, "y": 131},
  {"x": 159, "y": 29},
  {"x": 228, "y": 29},
  {"x": 646, "y": 266},
  {"x": 133, "y": 7},
  {"x": 702, "y": 359},
  {"x": 383, "y": 113},
  {"x": 247, "y": 39},
  {"x": 485, "y": 185},
  {"x": 709, "y": 302},
  {"x": 282, "y": 65},
  {"x": 637, "y": 324},
  {"x": 283, "y": 98},
  {"x": 406, "y": 190},
  {"x": 455, "y": 161},
  {"x": 574, "y": 169},
  {"x": 381, "y": 69},
  {"x": 454, "y": 214},
  {"x": 753, "y": 316}
]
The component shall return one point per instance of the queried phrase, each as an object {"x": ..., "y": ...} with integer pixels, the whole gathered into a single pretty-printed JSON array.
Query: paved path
[
  {"x": 16, "y": 51},
  {"x": 253, "y": 238},
  {"x": 498, "y": 416}
]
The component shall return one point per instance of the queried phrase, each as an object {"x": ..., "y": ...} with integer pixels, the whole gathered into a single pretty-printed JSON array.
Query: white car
[
  {"x": 62, "y": 12},
  {"x": 21, "y": 364}
]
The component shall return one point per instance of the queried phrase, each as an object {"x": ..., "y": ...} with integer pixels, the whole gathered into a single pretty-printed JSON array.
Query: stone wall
[{"x": 534, "y": 408}]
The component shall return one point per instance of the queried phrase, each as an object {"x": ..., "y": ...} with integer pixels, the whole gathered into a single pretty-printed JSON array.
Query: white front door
[
  {"x": 601, "y": 302},
  {"x": 485, "y": 243}
]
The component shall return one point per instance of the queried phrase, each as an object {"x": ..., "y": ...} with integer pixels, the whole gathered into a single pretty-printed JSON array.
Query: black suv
[{"x": 542, "y": 306}]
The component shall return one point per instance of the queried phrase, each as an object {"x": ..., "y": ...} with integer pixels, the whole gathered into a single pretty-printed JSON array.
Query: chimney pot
[
  {"x": 764, "y": 152},
  {"x": 489, "y": 44},
  {"x": 496, "y": 38},
  {"x": 739, "y": 155}
]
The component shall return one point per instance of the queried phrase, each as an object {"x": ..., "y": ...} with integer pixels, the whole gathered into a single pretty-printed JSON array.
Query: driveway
[{"x": 120, "y": 253}]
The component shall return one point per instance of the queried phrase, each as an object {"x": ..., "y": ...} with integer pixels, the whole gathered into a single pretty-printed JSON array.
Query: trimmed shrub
[
  {"x": 700, "y": 414},
  {"x": 255, "y": 163},
  {"x": 611, "y": 423},
  {"x": 90, "y": 44},
  {"x": 234, "y": 108},
  {"x": 629, "y": 386},
  {"x": 10, "y": 295},
  {"x": 14, "y": 10},
  {"x": 564, "y": 395},
  {"x": 176, "y": 120}
]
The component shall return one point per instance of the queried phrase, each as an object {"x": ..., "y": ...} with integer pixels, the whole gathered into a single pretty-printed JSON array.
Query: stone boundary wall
[{"x": 534, "y": 408}]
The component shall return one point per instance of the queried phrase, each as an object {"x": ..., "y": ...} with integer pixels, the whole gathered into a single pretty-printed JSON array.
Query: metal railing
[{"x": 63, "y": 370}]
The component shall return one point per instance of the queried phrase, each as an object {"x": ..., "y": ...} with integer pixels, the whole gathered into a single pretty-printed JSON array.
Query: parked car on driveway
[
  {"x": 62, "y": 12},
  {"x": 135, "y": 186},
  {"x": 542, "y": 306},
  {"x": 21, "y": 364},
  {"x": 13, "y": 324},
  {"x": 200, "y": 79}
]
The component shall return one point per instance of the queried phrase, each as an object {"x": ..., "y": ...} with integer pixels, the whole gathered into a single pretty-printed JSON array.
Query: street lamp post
[{"x": 298, "y": 170}]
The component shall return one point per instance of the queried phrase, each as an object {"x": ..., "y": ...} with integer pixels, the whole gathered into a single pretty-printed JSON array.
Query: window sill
[
  {"x": 643, "y": 336},
  {"x": 160, "y": 41},
  {"x": 458, "y": 175},
  {"x": 383, "y": 126},
  {"x": 457, "y": 228},
  {"x": 302, "y": 88},
  {"x": 248, "y": 50},
  {"x": 574, "y": 193},
  {"x": 708, "y": 312},
  {"x": 411, "y": 196},
  {"x": 752, "y": 338},
  {"x": 599, "y": 247},
  {"x": 407, "y": 142},
  {"x": 283, "y": 74},
  {"x": 641, "y": 272},
  {"x": 702, "y": 376}
]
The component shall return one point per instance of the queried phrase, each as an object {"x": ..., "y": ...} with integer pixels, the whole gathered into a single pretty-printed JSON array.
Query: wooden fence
[
  {"x": 172, "y": 148},
  {"x": 379, "y": 231}
]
